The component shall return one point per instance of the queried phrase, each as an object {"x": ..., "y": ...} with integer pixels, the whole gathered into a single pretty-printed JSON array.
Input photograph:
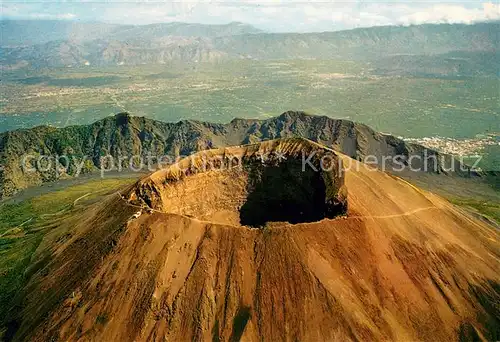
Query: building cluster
[{"x": 458, "y": 147}]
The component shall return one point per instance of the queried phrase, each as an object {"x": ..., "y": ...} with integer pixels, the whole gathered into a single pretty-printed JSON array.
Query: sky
[{"x": 272, "y": 16}]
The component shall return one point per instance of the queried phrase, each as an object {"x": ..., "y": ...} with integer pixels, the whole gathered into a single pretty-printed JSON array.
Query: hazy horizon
[
  {"x": 276, "y": 16},
  {"x": 243, "y": 23}
]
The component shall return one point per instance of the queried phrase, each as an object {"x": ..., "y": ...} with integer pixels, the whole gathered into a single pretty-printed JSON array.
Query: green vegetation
[
  {"x": 488, "y": 209},
  {"x": 23, "y": 225},
  {"x": 409, "y": 106},
  {"x": 406, "y": 106},
  {"x": 101, "y": 319}
]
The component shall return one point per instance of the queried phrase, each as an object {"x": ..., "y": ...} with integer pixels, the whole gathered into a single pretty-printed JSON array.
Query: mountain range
[
  {"x": 17, "y": 33},
  {"x": 124, "y": 135},
  {"x": 456, "y": 48}
]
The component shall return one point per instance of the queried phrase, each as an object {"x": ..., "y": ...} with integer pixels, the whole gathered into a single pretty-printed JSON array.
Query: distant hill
[
  {"x": 368, "y": 43},
  {"x": 126, "y": 135},
  {"x": 63, "y": 43},
  {"x": 34, "y": 32},
  {"x": 112, "y": 52},
  {"x": 452, "y": 64},
  {"x": 100, "y": 44},
  {"x": 159, "y": 31}
]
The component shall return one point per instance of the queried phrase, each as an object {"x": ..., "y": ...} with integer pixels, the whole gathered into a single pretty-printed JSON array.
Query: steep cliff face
[
  {"x": 292, "y": 180},
  {"x": 401, "y": 264},
  {"x": 125, "y": 136}
]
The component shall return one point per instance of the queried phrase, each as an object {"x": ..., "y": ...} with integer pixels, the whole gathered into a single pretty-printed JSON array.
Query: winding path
[
  {"x": 407, "y": 213},
  {"x": 67, "y": 207},
  {"x": 81, "y": 197}
]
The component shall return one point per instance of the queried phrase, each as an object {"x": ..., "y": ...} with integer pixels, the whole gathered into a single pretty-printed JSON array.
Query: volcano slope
[{"x": 401, "y": 263}]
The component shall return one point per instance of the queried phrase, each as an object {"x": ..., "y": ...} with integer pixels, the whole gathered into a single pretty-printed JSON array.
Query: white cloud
[
  {"x": 285, "y": 15},
  {"x": 31, "y": 11},
  {"x": 63, "y": 16},
  {"x": 452, "y": 14}
]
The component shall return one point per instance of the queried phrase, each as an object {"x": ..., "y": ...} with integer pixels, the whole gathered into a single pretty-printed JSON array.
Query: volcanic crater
[{"x": 288, "y": 180}]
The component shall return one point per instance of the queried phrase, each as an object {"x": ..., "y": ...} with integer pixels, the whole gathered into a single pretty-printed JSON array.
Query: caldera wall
[{"x": 287, "y": 180}]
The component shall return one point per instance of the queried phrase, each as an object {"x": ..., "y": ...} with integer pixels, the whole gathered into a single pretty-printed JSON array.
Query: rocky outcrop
[{"x": 123, "y": 136}]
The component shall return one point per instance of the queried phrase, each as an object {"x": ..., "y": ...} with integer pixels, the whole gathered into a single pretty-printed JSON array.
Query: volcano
[{"x": 244, "y": 243}]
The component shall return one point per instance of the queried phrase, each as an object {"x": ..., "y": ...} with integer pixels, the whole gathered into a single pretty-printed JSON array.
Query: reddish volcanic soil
[{"x": 402, "y": 264}]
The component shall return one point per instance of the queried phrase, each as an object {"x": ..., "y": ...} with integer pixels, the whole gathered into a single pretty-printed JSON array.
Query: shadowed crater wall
[{"x": 285, "y": 192}]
